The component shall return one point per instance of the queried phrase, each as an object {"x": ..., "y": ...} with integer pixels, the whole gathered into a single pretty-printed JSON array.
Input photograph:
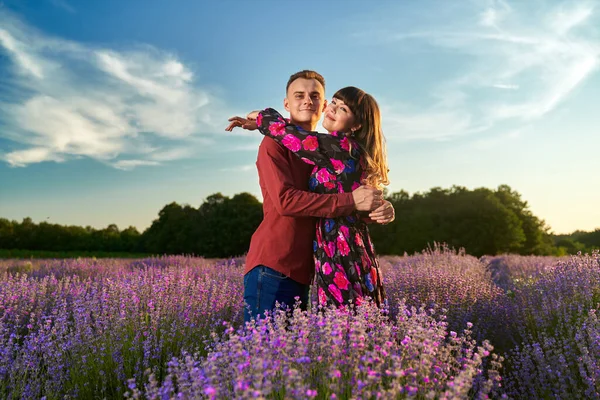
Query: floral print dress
[{"x": 346, "y": 269}]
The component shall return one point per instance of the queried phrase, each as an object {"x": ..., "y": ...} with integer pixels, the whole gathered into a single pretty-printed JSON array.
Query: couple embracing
[{"x": 320, "y": 190}]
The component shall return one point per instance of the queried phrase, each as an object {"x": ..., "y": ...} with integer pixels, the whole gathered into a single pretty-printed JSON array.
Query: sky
[{"x": 109, "y": 110}]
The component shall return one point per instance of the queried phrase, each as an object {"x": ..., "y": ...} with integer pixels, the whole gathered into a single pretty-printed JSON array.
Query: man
[{"x": 279, "y": 264}]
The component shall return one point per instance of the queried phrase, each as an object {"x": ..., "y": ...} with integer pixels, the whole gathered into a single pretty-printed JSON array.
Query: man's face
[{"x": 305, "y": 101}]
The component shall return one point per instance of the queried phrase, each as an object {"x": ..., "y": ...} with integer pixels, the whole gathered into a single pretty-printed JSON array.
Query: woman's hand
[
  {"x": 240, "y": 122},
  {"x": 384, "y": 214},
  {"x": 252, "y": 115}
]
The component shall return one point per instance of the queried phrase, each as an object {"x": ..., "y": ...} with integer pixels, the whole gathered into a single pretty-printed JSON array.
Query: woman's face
[{"x": 338, "y": 117}]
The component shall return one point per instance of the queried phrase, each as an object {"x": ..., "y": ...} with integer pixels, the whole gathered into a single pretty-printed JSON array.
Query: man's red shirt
[{"x": 283, "y": 241}]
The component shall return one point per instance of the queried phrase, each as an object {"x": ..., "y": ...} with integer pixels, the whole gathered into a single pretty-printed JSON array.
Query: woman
[{"x": 353, "y": 152}]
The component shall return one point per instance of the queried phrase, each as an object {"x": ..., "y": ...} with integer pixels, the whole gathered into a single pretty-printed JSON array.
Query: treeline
[
  {"x": 578, "y": 241},
  {"x": 220, "y": 227},
  {"x": 483, "y": 221}
]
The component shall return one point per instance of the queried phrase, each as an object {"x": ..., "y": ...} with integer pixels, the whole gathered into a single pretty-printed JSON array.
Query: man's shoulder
[
  {"x": 268, "y": 142},
  {"x": 271, "y": 147}
]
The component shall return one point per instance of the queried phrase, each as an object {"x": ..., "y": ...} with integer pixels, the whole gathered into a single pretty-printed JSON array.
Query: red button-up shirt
[{"x": 283, "y": 241}]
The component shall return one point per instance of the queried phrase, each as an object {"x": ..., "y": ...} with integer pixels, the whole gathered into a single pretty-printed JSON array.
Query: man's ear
[
  {"x": 324, "y": 105},
  {"x": 286, "y": 104}
]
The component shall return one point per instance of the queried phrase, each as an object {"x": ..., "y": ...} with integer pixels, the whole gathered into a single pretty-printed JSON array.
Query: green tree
[
  {"x": 481, "y": 220},
  {"x": 537, "y": 238}
]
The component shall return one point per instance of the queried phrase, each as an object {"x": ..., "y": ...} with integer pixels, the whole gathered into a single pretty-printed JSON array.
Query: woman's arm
[{"x": 325, "y": 150}]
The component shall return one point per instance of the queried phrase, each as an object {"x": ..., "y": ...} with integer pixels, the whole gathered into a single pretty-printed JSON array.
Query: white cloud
[
  {"x": 21, "y": 158},
  {"x": 21, "y": 57},
  {"x": 130, "y": 164},
  {"x": 240, "y": 168},
  {"x": 78, "y": 100},
  {"x": 400, "y": 124},
  {"x": 537, "y": 57},
  {"x": 563, "y": 19},
  {"x": 64, "y": 5},
  {"x": 505, "y": 86},
  {"x": 494, "y": 14}
]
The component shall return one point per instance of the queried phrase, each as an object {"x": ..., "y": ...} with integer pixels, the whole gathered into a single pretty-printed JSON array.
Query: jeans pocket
[{"x": 270, "y": 273}]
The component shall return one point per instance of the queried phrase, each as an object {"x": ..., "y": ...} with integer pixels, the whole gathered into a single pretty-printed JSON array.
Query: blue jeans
[{"x": 263, "y": 286}]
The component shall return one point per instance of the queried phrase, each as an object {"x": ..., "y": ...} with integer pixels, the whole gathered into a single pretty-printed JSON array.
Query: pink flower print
[
  {"x": 374, "y": 276},
  {"x": 345, "y": 144},
  {"x": 366, "y": 262},
  {"x": 335, "y": 292},
  {"x": 276, "y": 128},
  {"x": 315, "y": 169},
  {"x": 334, "y": 133},
  {"x": 358, "y": 240},
  {"x": 326, "y": 268},
  {"x": 322, "y": 296},
  {"x": 358, "y": 300},
  {"x": 329, "y": 185},
  {"x": 323, "y": 175},
  {"x": 338, "y": 166},
  {"x": 259, "y": 119},
  {"x": 343, "y": 246},
  {"x": 345, "y": 231},
  {"x": 340, "y": 187},
  {"x": 357, "y": 269},
  {"x": 319, "y": 238},
  {"x": 310, "y": 143},
  {"x": 355, "y": 186},
  {"x": 341, "y": 281},
  {"x": 291, "y": 142},
  {"x": 357, "y": 288},
  {"x": 329, "y": 249},
  {"x": 317, "y": 265},
  {"x": 306, "y": 160}
]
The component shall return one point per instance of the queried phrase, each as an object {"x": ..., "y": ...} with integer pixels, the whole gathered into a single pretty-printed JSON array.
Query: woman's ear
[{"x": 355, "y": 128}]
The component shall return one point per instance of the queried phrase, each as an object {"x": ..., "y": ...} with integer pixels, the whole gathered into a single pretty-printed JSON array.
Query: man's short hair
[{"x": 306, "y": 74}]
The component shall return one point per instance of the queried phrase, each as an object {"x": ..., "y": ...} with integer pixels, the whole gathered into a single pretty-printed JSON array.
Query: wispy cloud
[
  {"x": 130, "y": 164},
  {"x": 538, "y": 57},
  {"x": 64, "y": 5},
  {"x": 240, "y": 168},
  {"x": 505, "y": 86},
  {"x": 127, "y": 108}
]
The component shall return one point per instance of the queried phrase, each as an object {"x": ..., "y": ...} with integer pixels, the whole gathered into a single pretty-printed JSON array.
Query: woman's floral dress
[{"x": 346, "y": 269}]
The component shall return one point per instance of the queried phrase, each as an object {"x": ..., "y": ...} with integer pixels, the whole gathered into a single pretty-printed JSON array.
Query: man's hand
[
  {"x": 241, "y": 123},
  {"x": 367, "y": 198},
  {"x": 383, "y": 214}
]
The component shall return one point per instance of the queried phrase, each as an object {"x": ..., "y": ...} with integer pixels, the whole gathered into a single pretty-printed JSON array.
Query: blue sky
[{"x": 109, "y": 110}]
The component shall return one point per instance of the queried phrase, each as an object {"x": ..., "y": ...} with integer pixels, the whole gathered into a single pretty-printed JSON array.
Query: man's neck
[{"x": 307, "y": 126}]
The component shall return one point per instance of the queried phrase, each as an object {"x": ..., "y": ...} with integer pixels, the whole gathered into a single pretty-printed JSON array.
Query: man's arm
[{"x": 274, "y": 171}]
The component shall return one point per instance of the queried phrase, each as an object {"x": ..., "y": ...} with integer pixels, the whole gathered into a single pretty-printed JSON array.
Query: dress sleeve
[
  {"x": 289, "y": 201},
  {"x": 322, "y": 149}
]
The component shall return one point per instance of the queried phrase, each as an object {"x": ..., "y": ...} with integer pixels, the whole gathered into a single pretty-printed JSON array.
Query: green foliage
[
  {"x": 24, "y": 254},
  {"x": 220, "y": 227},
  {"x": 578, "y": 241},
  {"x": 47, "y": 237},
  {"x": 480, "y": 220}
]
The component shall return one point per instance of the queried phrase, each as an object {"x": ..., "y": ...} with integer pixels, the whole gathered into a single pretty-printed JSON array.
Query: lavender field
[{"x": 171, "y": 327}]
